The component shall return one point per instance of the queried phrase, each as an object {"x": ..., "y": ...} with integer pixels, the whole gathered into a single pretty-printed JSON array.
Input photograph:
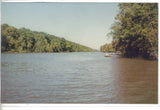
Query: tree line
[
  {"x": 135, "y": 30},
  {"x": 107, "y": 48},
  {"x": 24, "y": 40}
]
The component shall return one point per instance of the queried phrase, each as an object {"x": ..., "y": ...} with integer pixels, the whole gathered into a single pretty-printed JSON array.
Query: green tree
[
  {"x": 135, "y": 31},
  {"x": 25, "y": 40}
]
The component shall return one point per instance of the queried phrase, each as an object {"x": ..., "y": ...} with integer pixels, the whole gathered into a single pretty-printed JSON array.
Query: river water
[{"x": 81, "y": 77}]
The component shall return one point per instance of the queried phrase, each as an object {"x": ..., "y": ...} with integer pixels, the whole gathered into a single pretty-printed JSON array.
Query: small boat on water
[{"x": 107, "y": 55}]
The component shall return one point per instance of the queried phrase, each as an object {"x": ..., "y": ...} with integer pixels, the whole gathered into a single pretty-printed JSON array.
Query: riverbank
[
  {"x": 35, "y": 52},
  {"x": 154, "y": 55}
]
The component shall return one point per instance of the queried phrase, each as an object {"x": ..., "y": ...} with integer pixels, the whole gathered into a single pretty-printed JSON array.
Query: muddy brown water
[{"x": 81, "y": 77}]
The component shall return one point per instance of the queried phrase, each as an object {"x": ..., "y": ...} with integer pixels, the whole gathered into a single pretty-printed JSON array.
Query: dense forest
[
  {"x": 135, "y": 30},
  {"x": 24, "y": 40}
]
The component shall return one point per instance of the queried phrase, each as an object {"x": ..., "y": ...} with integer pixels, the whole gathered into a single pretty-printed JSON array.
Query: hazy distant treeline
[
  {"x": 25, "y": 40},
  {"x": 107, "y": 48}
]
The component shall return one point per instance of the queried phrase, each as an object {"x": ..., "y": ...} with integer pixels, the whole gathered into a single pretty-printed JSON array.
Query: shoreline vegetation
[
  {"x": 135, "y": 31},
  {"x": 26, "y": 41},
  {"x": 42, "y": 52}
]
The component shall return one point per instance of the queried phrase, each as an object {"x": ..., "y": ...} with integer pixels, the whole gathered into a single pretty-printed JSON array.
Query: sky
[{"x": 83, "y": 23}]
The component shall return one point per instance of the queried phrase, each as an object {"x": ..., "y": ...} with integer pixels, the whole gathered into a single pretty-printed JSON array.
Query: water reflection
[{"x": 137, "y": 80}]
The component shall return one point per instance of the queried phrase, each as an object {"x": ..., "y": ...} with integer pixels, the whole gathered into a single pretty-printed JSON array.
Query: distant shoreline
[
  {"x": 24, "y": 40},
  {"x": 39, "y": 52}
]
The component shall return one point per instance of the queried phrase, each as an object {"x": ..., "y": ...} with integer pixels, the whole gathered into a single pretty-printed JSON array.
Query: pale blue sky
[{"x": 84, "y": 23}]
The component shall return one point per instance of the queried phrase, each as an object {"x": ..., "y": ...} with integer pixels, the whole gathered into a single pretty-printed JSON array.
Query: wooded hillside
[{"x": 24, "y": 40}]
